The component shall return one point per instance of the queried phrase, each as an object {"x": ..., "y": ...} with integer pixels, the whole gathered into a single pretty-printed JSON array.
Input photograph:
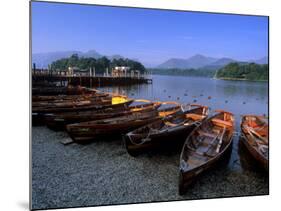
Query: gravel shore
[{"x": 103, "y": 173}]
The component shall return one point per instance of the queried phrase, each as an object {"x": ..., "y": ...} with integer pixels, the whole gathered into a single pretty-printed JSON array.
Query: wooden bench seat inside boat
[
  {"x": 195, "y": 116},
  {"x": 170, "y": 124},
  {"x": 199, "y": 155},
  {"x": 221, "y": 123}
]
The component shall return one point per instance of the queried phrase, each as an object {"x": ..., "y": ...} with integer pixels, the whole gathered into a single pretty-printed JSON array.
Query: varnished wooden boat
[
  {"x": 83, "y": 105},
  {"x": 170, "y": 130},
  {"x": 64, "y": 104},
  {"x": 87, "y": 131},
  {"x": 115, "y": 102},
  {"x": 57, "y": 98},
  {"x": 255, "y": 137},
  {"x": 207, "y": 144},
  {"x": 58, "y": 121},
  {"x": 69, "y": 90},
  {"x": 172, "y": 108},
  {"x": 70, "y": 100}
]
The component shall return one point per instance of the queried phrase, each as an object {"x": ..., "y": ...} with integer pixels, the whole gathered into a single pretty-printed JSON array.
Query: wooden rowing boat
[
  {"x": 172, "y": 107},
  {"x": 83, "y": 105},
  {"x": 69, "y": 90},
  {"x": 87, "y": 131},
  {"x": 64, "y": 104},
  {"x": 205, "y": 146},
  {"x": 57, "y": 121},
  {"x": 170, "y": 130},
  {"x": 69, "y": 100},
  {"x": 255, "y": 137},
  {"x": 115, "y": 102},
  {"x": 58, "y": 98}
]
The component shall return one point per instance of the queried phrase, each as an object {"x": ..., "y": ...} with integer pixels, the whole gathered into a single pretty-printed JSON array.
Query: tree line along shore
[
  {"x": 232, "y": 71},
  {"x": 100, "y": 64}
]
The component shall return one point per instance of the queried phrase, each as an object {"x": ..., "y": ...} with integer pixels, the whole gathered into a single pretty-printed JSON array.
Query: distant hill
[
  {"x": 42, "y": 60},
  {"x": 200, "y": 61},
  {"x": 90, "y": 53},
  {"x": 263, "y": 60},
  {"x": 223, "y": 62},
  {"x": 116, "y": 56},
  {"x": 174, "y": 63},
  {"x": 195, "y": 61}
]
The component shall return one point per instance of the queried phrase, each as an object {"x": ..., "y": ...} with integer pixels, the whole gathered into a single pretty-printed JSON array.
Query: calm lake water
[{"x": 238, "y": 97}]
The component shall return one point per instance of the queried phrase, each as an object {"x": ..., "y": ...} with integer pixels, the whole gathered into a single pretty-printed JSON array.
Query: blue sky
[{"x": 151, "y": 36}]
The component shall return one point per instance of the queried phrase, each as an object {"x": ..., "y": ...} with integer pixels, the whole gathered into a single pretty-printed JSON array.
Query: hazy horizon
[
  {"x": 152, "y": 65},
  {"x": 148, "y": 35}
]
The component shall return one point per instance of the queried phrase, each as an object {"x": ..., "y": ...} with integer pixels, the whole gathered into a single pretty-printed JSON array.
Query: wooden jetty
[{"x": 87, "y": 80}]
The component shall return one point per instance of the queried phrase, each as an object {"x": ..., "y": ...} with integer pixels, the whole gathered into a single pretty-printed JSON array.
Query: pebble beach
[{"x": 103, "y": 173}]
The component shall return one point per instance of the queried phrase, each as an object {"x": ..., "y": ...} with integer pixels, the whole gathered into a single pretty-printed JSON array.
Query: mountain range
[
  {"x": 197, "y": 61},
  {"x": 200, "y": 61},
  {"x": 42, "y": 60}
]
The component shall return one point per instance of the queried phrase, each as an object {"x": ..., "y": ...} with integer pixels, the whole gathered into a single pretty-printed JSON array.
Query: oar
[
  {"x": 253, "y": 132},
  {"x": 220, "y": 141},
  {"x": 259, "y": 145},
  {"x": 211, "y": 144}
]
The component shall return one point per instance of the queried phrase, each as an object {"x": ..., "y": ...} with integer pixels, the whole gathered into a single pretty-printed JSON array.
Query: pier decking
[{"x": 90, "y": 81}]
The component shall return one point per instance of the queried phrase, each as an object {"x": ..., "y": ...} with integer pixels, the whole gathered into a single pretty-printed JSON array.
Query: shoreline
[
  {"x": 224, "y": 78},
  {"x": 238, "y": 79}
]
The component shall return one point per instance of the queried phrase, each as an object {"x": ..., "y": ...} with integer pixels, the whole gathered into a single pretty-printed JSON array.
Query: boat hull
[
  {"x": 40, "y": 114},
  {"x": 85, "y": 134},
  {"x": 257, "y": 156},
  {"x": 163, "y": 140},
  {"x": 61, "y": 90},
  {"x": 254, "y": 130},
  {"x": 60, "y": 120},
  {"x": 187, "y": 178}
]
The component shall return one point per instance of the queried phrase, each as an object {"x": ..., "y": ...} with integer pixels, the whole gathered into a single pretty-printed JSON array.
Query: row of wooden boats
[
  {"x": 61, "y": 90},
  {"x": 73, "y": 101},
  {"x": 205, "y": 139}
]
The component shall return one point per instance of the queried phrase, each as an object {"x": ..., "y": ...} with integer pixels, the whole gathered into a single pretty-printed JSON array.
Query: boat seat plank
[
  {"x": 195, "y": 116},
  {"x": 201, "y": 153},
  {"x": 203, "y": 133},
  {"x": 170, "y": 124},
  {"x": 221, "y": 122}
]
